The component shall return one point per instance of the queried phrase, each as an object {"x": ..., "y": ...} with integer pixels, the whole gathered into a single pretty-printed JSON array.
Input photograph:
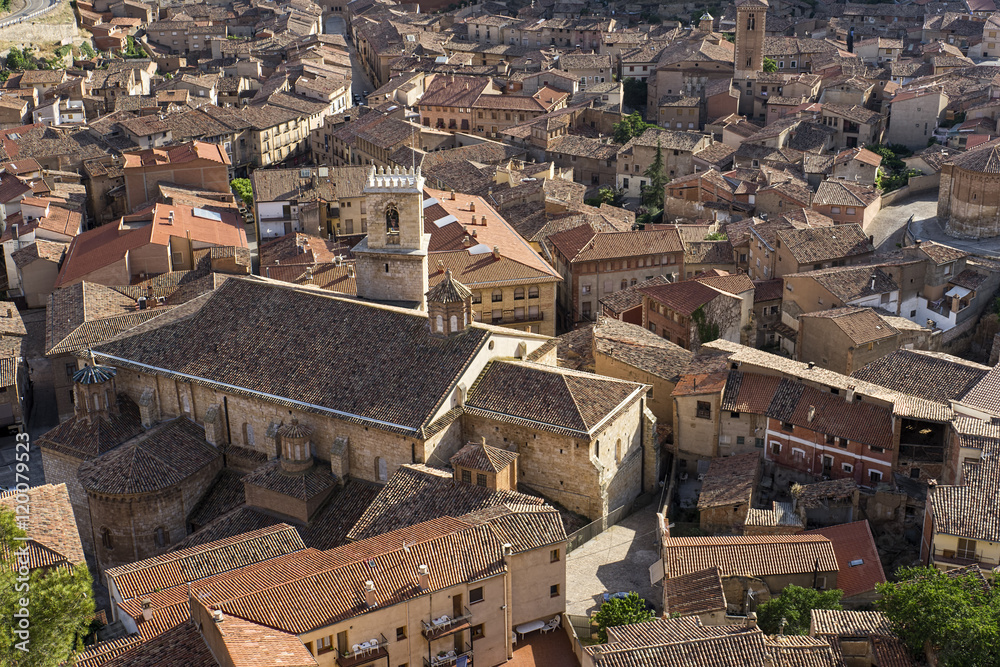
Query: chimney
[
  {"x": 850, "y": 393},
  {"x": 147, "y": 610},
  {"x": 424, "y": 577},
  {"x": 440, "y": 265},
  {"x": 10, "y": 312},
  {"x": 452, "y": 195},
  {"x": 812, "y": 365},
  {"x": 482, "y": 221},
  {"x": 751, "y": 621},
  {"x": 467, "y": 241},
  {"x": 217, "y": 616},
  {"x": 370, "y": 593},
  {"x": 496, "y": 252},
  {"x": 812, "y": 413},
  {"x": 350, "y": 270},
  {"x": 472, "y": 207},
  {"x": 873, "y": 283}
]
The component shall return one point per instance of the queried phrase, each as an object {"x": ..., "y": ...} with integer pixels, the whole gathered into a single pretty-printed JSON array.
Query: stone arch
[
  {"x": 106, "y": 538},
  {"x": 391, "y": 217}
]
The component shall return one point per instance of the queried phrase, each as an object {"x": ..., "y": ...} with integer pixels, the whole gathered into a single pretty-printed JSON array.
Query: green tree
[
  {"x": 795, "y": 605},
  {"x": 59, "y": 604},
  {"x": 652, "y": 194},
  {"x": 88, "y": 50},
  {"x": 609, "y": 195},
  {"x": 630, "y": 126},
  {"x": 621, "y": 611},
  {"x": 243, "y": 189},
  {"x": 716, "y": 236},
  {"x": 635, "y": 93},
  {"x": 954, "y": 615},
  {"x": 20, "y": 59},
  {"x": 770, "y": 65}
]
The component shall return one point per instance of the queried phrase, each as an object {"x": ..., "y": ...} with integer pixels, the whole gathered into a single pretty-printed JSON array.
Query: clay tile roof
[
  {"x": 563, "y": 400},
  {"x": 89, "y": 439},
  {"x": 295, "y": 430},
  {"x": 730, "y": 480},
  {"x": 183, "y": 645},
  {"x": 754, "y": 556},
  {"x": 176, "y": 568},
  {"x": 934, "y": 376},
  {"x": 768, "y": 290},
  {"x": 853, "y": 542},
  {"x": 736, "y": 283},
  {"x": 631, "y": 297},
  {"x": 812, "y": 245},
  {"x": 862, "y": 325},
  {"x": 483, "y": 457},
  {"x": 449, "y": 290},
  {"x": 306, "y": 486},
  {"x": 984, "y": 158},
  {"x": 850, "y": 623},
  {"x": 986, "y": 393},
  {"x": 160, "y": 458},
  {"x": 844, "y": 193},
  {"x": 684, "y": 297},
  {"x": 51, "y": 526},
  {"x": 971, "y": 510},
  {"x": 583, "y": 244},
  {"x": 694, "y": 593},
  {"x": 941, "y": 254},
  {"x": 417, "y": 493},
  {"x": 391, "y": 352},
  {"x": 635, "y": 346}
]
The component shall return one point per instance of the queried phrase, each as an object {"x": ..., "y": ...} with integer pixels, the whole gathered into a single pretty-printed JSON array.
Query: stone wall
[
  {"x": 969, "y": 202},
  {"x": 391, "y": 277}
]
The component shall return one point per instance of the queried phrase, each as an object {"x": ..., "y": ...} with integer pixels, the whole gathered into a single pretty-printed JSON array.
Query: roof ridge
[{"x": 576, "y": 404}]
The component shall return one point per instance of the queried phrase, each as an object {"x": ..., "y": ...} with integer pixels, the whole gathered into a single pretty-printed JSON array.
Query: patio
[{"x": 551, "y": 649}]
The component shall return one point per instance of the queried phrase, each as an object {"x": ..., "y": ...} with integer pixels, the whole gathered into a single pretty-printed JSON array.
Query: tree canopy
[
  {"x": 21, "y": 59},
  {"x": 770, "y": 65},
  {"x": 243, "y": 189},
  {"x": 621, "y": 611},
  {"x": 795, "y": 605},
  {"x": 652, "y": 194},
  {"x": 630, "y": 126},
  {"x": 957, "y": 616},
  {"x": 59, "y": 604},
  {"x": 635, "y": 93}
]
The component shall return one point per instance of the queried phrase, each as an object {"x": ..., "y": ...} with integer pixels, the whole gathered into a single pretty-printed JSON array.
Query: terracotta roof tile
[
  {"x": 971, "y": 510},
  {"x": 640, "y": 348},
  {"x": 184, "y": 645},
  {"x": 582, "y": 244},
  {"x": 849, "y": 623},
  {"x": 860, "y": 567},
  {"x": 931, "y": 375},
  {"x": 861, "y": 325},
  {"x": 483, "y": 457},
  {"x": 50, "y": 524},
  {"x": 684, "y": 297},
  {"x": 695, "y": 593},
  {"x": 755, "y": 556},
  {"x": 729, "y": 480},
  {"x": 825, "y": 243},
  {"x": 631, "y": 297}
]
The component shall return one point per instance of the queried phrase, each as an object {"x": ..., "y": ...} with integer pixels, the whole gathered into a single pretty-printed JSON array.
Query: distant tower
[
  {"x": 449, "y": 307},
  {"x": 94, "y": 393},
  {"x": 706, "y": 22},
  {"x": 392, "y": 260},
  {"x": 751, "y": 18}
]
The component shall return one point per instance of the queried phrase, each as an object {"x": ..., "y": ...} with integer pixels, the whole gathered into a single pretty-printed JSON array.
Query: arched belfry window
[{"x": 392, "y": 219}]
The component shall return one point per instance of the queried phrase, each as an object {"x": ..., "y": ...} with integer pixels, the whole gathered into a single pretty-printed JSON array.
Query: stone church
[{"x": 289, "y": 391}]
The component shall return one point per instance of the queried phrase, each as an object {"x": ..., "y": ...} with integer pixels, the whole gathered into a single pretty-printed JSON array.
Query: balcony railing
[
  {"x": 444, "y": 628},
  {"x": 953, "y": 557},
  {"x": 449, "y": 658},
  {"x": 364, "y": 652},
  {"x": 509, "y": 317}
]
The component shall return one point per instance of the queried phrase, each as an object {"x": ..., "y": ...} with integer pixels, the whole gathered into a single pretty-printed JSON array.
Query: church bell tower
[
  {"x": 751, "y": 17},
  {"x": 391, "y": 262}
]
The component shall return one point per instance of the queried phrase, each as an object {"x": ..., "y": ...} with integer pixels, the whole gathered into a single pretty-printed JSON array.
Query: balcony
[
  {"x": 449, "y": 658},
  {"x": 434, "y": 630},
  {"x": 963, "y": 558},
  {"x": 364, "y": 653},
  {"x": 510, "y": 317}
]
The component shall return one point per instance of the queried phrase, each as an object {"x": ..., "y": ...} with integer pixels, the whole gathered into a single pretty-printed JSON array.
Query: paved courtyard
[
  {"x": 552, "y": 649},
  {"x": 887, "y": 227},
  {"x": 616, "y": 560}
]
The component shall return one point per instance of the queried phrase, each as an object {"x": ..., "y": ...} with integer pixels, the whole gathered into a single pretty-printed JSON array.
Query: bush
[
  {"x": 621, "y": 611},
  {"x": 795, "y": 605},
  {"x": 243, "y": 189}
]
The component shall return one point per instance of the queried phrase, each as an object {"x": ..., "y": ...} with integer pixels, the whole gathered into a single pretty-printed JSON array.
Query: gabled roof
[
  {"x": 860, "y": 566},
  {"x": 861, "y": 325},
  {"x": 639, "y": 348},
  {"x": 583, "y": 244},
  {"x": 934, "y": 376},
  {"x": 729, "y": 480},
  {"x": 241, "y": 336},
  {"x": 483, "y": 457},
  {"x": 817, "y": 244},
  {"x": 417, "y": 493},
  {"x": 53, "y": 534},
  {"x": 684, "y": 297},
  {"x": 562, "y": 400},
  {"x": 754, "y": 556},
  {"x": 694, "y": 593}
]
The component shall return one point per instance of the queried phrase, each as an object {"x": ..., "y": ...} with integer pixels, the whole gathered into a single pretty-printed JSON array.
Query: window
[
  {"x": 476, "y": 595},
  {"x": 477, "y": 297},
  {"x": 775, "y": 448},
  {"x": 740, "y": 440},
  {"x": 467, "y": 476},
  {"x": 518, "y": 293},
  {"x": 324, "y": 644},
  {"x": 827, "y": 461},
  {"x": 585, "y": 289},
  {"x": 70, "y": 369},
  {"x": 704, "y": 410},
  {"x": 554, "y": 556},
  {"x": 787, "y": 426},
  {"x": 480, "y": 479},
  {"x": 106, "y": 539},
  {"x": 477, "y": 631},
  {"x": 734, "y": 415},
  {"x": 554, "y": 591},
  {"x": 874, "y": 476},
  {"x": 758, "y": 443},
  {"x": 533, "y": 292},
  {"x": 497, "y": 296},
  {"x": 162, "y": 537},
  {"x": 847, "y": 467},
  {"x": 400, "y": 633},
  {"x": 966, "y": 548}
]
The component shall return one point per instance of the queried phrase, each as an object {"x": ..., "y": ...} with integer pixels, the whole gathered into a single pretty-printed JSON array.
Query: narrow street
[{"x": 360, "y": 82}]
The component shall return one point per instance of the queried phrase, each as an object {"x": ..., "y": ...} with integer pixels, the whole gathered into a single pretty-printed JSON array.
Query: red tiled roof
[
  {"x": 857, "y": 557},
  {"x": 583, "y": 244},
  {"x": 684, "y": 297},
  {"x": 753, "y": 555}
]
